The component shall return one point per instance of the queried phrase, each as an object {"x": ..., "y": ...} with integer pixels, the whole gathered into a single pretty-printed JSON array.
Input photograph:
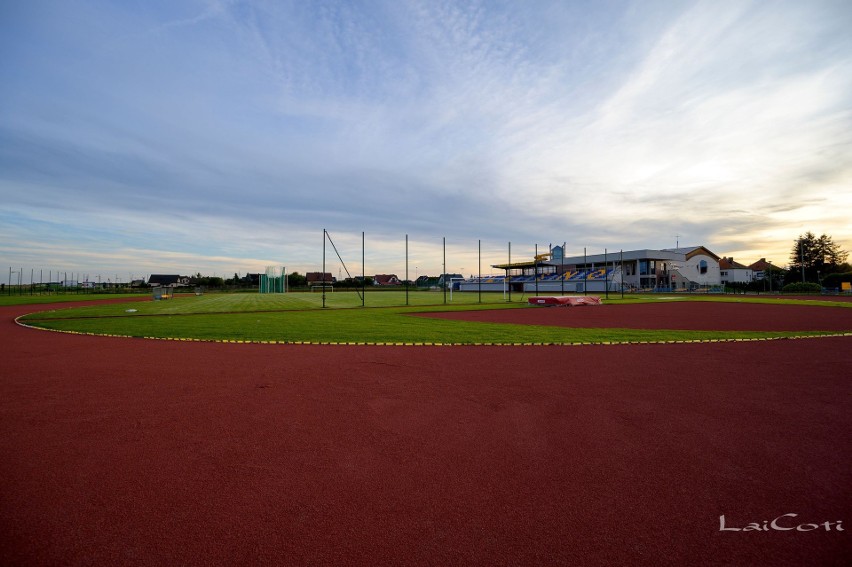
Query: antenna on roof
[{"x": 677, "y": 241}]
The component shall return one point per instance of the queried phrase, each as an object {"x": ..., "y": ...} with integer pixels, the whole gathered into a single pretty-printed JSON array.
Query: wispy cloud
[{"x": 198, "y": 128}]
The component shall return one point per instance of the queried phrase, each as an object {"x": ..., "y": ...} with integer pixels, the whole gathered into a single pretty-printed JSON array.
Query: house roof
[
  {"x": 690, "y": 251},
  {"x": 386, "y": 279},
  {"x": 164, "y": 279},
  {"x": 729, "y": 264},
  {"x": 761, "y": 265},
  {"x": 318, "y": 277}
]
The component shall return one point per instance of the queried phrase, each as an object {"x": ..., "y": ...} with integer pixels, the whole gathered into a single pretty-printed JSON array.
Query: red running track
[
  {"x": 687, "y": 315},
  {"x": 135, "y": 452}
]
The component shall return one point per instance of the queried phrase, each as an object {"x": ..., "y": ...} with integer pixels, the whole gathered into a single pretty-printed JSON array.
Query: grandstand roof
[
  {"x": 616, "y": 255},
  {"x": 668, "y": 254},
  {"x": 518, "y": 265}
]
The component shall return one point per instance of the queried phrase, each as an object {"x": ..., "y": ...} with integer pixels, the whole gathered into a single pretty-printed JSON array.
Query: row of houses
[
  {"x": 734, "y": 272},
  {"x": 391, "y": 280},
  {"x": 312, "y": 278},
  {"x": 319, "y": 278}
]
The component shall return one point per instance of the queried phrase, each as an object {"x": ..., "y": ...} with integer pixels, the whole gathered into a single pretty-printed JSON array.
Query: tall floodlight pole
[
  {"x": 406, "y": 269},
  {"x": 480, "y": 270},
  {"x": 444, "y": 276},
  {"x": 535, "y": 267},
  {"x": 363, "y": 270},
  {"x": 509, "y": 273},
  {"x": 323, "y": 268}
]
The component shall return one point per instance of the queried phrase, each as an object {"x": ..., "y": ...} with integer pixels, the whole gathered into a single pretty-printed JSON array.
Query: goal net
[{"x": 273, "y": 281}]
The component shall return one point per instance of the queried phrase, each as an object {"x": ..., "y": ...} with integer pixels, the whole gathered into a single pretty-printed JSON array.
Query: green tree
[
  {"x": 295, "y": 279},
  {"x": 815, "y": 257}
]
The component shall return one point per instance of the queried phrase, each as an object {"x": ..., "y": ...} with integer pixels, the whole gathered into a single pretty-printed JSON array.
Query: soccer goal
[
  {"x": 322, "y": 287},
  {"x": 161, "y": 292}
]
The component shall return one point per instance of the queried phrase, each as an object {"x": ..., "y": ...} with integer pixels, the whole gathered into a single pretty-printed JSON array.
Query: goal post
[
  {"x": 322, "y": 287},
  {"x": 162, "y": 292}
]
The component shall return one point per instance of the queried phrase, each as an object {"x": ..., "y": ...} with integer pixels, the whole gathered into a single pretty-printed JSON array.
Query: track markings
[{"x": 417, "y": 344}]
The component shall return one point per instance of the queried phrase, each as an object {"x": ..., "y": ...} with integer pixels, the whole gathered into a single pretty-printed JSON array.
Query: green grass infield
[{"x": 300, "y": 318}]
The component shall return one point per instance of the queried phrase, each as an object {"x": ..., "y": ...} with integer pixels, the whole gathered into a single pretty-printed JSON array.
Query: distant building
[
  {"x": 314, "y": 278},
  {"x": 760, "y": 268},
  {"x": 168, "y": 280},
  {"x": 733, "y": 272},
  {"x": 426, "y": 281},
  {"x": 386, "y": 280},
  {"x": 699, "y": 268},
  {"x": 687, "y": 268}
]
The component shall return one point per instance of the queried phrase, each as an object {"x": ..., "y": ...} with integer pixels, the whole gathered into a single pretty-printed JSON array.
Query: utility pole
[
  {"x": 406, "y": 269},
  {"x": 770, "y": 276},
  {"x": 535, "y": 263},
  {"x": 509, "y": 274}
]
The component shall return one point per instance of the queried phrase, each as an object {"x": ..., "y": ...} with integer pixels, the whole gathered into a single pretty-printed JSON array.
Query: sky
[{"x": 221, "y": 136}]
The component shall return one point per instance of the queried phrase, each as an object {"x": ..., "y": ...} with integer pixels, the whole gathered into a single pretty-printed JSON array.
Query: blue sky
[{"x": 217, "y": 136}]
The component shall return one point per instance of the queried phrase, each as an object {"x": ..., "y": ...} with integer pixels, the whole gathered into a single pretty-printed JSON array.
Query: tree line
[{"x": 817, "y": 262}]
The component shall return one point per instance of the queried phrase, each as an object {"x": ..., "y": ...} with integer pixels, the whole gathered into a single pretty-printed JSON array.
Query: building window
[{"x": 702, "y": 267}]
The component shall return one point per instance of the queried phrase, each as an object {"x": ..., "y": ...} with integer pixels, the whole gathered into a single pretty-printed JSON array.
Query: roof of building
[
  {"x": 667, "y": 254},
  {"x": 386, "y": 279},
  {"x": 761, "y": 264},
  {"x": 616, "y": 256},
  {"x": 318, "y": 277},
  {"x": 164, "y": 279},
  {"x": 729, "y": 264},
  {"x": 690, "y": 251}
]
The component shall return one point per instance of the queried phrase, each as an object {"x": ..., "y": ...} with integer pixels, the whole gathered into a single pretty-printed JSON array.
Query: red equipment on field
[{"x": 564, "y": 301}]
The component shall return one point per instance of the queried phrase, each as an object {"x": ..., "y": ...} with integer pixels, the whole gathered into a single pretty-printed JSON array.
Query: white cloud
[{"x": 196, "y": 125}]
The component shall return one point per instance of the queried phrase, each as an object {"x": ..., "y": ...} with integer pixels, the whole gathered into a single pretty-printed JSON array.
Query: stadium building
[{"x": 675, "y": 269}]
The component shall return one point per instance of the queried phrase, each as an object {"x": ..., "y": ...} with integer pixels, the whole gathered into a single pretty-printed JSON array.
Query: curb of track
[{"x": 419, "y": 344}]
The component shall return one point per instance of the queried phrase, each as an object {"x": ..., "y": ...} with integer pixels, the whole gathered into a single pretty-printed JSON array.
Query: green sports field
[{"x": 299, "y": 317}]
